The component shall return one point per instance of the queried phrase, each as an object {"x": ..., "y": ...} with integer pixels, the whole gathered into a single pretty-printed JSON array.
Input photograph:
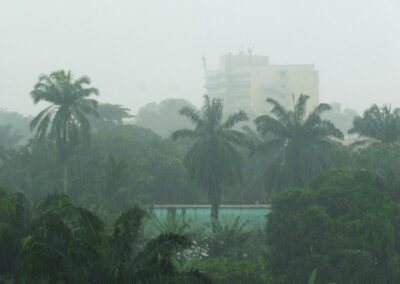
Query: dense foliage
[
  {"x": 335, "y": 215},
  {"x": 380, "y": 123},
  {"x": 58, "y": 242},
  {"x": 346, "y": 224}
]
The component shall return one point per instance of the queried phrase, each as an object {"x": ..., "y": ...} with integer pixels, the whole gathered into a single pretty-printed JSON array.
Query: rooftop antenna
[
  {"x": 204, "y": 61},
  {"x": 250, "y": 52},
  {"x": 294, "y": 101}
]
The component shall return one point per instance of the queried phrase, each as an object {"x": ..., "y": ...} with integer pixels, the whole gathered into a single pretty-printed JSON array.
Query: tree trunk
[
  {"x": 215, "y": 200},
  {"x": 65, "y": 177}
]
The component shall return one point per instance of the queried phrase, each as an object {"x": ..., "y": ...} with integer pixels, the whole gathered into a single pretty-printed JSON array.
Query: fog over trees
[{"x": 199, "y": 142}]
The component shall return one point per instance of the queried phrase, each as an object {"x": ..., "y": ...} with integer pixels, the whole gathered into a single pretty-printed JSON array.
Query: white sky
[{"x": 141, "y": 51}]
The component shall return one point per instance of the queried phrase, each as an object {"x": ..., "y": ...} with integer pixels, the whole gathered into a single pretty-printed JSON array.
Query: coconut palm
[
  {"x": 65, "y": 121},
  {"x": 213, "y": 160},
  {"x": 380, "y": 123},
  {"x": 297, "y": 142}
]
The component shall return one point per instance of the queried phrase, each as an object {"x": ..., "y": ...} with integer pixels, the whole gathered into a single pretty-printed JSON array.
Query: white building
[{"x": 244, "y": 81}]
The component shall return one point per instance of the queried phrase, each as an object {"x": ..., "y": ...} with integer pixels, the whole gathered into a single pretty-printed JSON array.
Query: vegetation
[
  {"x": 76, "y": 199},
  {"x": 64, "y": 122},
  {"x": 380, "y": 123},
  {"x": 213, "y": 160},
  {"x": 345, "y": 224},
  {"x": 163, "y": 118},
  {"x": 18, "y": 122},
  {"x": 63, "y": 243},
  {"x": 9, "y": 137},
  {"x": 297, "y": 142}
]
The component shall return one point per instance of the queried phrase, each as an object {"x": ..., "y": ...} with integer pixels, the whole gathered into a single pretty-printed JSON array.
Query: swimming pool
[{"x": 198, "y": 216}]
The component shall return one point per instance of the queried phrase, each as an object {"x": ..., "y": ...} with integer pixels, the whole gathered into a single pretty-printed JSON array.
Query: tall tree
[
  {"x": 297, "y": 141},
  {"x": 213, "y": 160},
  {"x": 65, "y": 121},
  {"x": 380, "y": 123}
]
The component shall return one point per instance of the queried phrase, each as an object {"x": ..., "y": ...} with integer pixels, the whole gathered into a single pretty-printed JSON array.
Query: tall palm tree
[
  {"x": 380, "y": 123},
  {"x": 213, "y": 160},
  {"x": 65, "y": 121},
  {"x": 297, "y": 141}
]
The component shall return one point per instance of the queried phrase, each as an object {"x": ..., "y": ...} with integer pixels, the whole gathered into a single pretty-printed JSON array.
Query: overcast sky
[{"x": 141, "y": 51}]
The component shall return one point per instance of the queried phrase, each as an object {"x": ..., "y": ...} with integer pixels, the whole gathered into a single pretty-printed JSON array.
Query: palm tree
[
  {"x": 65, "y": 243},
  {"x": 296, "y": 141},
  {"x": 213, "y": 160},
  {"x": 380, "y": 123},
  {"x": 154, "y": 263},
  {"x": 65, "y": 121}
]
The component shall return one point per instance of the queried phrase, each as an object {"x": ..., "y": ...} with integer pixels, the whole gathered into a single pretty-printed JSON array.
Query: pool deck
[{"x": 209, "y": 206}]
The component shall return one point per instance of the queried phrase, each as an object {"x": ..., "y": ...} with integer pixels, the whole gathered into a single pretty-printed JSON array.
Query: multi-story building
[{"x": 244, "y": 81}]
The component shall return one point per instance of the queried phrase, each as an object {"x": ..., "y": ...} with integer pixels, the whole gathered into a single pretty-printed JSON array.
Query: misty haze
[{"x": 200, "y": 141}]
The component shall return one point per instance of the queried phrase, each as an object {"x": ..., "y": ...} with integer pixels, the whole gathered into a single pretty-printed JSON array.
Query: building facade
[{"x": 245, "y": 81}]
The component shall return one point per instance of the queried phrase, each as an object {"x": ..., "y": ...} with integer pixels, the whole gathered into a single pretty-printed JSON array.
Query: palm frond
[
  {"x": 83, "y": 80},
  {"x": 88, "y": 106},
  {"x": 34, "y": 122},
  {"x": 234, "y": 119},
  {"x": 43, "y": 126},
  {"x": 270, "y": 146},
  {"x": 192, "y": 114},
  {"x": 183, "y": 133},
  {"x": 237, "y": 138},
  {"x": 278, "y": 110},
  {"x": 164, "y": 245},
  {"x": 212, "y": 113},
  {"x": 314, "y": 117},
  {"x": 126, "y": 231},
  {"x": 331, "y": 130},
  {"x": 300, "y": 107},
  {"x": 266, "y": 124}
]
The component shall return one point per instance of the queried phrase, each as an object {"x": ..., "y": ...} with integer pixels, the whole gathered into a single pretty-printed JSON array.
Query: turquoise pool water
[{"x": 199, "y": 216}]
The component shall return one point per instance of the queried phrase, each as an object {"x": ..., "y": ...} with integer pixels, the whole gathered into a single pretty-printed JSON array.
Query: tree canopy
[
  {"x": 345, "y": 224},
  {"x": 213, "y": 159},
  {"x": 380, "y": 123},
  {"x": 296, "y": 140},
  {"x": 65, "y": 121}
]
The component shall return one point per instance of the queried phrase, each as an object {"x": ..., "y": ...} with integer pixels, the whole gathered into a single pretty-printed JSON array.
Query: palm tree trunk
[
  {"x": 65, "y": 177},
  {"x": 215, "y": 199},
  {"x": 214, "y": 215}
]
